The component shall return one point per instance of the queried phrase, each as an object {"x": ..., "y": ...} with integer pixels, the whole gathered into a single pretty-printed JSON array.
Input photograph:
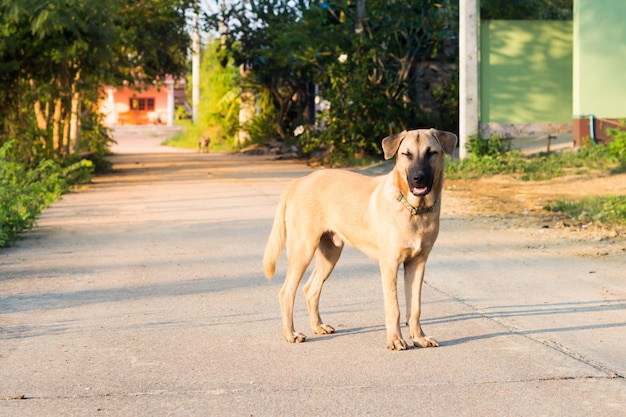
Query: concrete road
[{"x": 143, "y": 295}]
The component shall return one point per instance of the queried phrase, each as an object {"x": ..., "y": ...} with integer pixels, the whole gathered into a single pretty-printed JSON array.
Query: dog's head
[{"x": 420, "y": 159}]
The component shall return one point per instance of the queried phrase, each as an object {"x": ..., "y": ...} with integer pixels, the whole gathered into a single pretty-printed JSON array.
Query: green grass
[
  {"x": 492, "y": 157},
  {"x": 610, "y": 209},
  {"x": 534, "y": 168}
]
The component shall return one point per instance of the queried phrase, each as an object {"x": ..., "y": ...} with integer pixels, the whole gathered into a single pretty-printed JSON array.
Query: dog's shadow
[
  {"x": 499, "y": 316},
  {"x": 341, "y": 331}
]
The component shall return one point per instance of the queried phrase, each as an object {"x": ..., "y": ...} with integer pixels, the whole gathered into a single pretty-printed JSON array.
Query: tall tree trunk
[
  {"x": 74, "y": 133},
  {"x": 64, "y": 147},
  {"x": 246, "y": 113},
  {"x": 41, "y": 120},
  {"x": 284, "y": 104},
  {"x": 57, "y": 139},
  {"x": 41, "y": 116}
]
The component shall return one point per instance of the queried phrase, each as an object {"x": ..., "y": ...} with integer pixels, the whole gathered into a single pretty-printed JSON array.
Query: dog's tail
[{"x": 276, "y": 241}]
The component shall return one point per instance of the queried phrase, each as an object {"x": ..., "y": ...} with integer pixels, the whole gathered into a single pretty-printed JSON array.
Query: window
[{"x": 142, "y": 104}]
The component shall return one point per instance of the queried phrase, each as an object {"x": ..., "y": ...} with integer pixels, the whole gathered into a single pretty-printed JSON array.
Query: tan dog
[
  {"x": 392, "y": 218},
  {"x": 203, "y": 143}
]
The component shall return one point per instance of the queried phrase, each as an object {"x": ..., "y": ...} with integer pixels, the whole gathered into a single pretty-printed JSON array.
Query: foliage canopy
[
  {"x": 385, "y": 67},
  {"x": 58, "y": 54}
]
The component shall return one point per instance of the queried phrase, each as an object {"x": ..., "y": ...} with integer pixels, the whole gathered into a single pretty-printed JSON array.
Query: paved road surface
[{"x": 142, "y": 295}]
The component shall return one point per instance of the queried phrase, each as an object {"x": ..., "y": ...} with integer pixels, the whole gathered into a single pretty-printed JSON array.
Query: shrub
[
  {"x": 93, "y": 144},
  {"x": 478, "y": 146},
  {"x": 617, "y": 148},
  {"x": 492, "y": 157},
  {"x": 25, "y": 193}
]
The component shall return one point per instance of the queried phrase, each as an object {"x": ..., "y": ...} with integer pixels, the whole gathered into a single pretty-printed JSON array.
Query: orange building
[{"x": 145, "y": 105}]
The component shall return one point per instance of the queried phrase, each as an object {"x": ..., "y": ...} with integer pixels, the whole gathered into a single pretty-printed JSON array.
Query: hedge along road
[{"x": 143, "y": 295}]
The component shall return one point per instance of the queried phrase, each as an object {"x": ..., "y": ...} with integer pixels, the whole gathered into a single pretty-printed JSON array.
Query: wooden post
[{"x": 468, "y": 72}]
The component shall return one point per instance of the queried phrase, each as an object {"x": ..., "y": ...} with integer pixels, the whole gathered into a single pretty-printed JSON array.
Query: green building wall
[
  {"x": 600, "y": 58},
  {"x": 526, "y": 72}
]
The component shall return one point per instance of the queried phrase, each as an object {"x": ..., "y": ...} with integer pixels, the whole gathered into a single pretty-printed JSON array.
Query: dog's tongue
[{"x": 417, "y": 191}]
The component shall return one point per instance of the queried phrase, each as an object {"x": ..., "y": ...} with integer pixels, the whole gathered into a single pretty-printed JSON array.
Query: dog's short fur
[
  {"x": 392, "y": 218},
  {"x": 203, "y": 143}
]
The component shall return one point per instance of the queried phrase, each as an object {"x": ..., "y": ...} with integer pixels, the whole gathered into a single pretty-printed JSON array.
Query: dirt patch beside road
[
  {"x": 506, "y": 195},
  {"x": 506, "y": 202}
]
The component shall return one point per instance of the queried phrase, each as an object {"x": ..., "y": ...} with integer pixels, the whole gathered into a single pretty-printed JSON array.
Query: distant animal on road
[
  {"x": 203, "y": 143},
  {"x": 392, "y": 218}
]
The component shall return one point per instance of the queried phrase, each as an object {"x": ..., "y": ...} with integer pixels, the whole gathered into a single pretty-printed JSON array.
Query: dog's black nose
[{"x": 419, "y": 177}]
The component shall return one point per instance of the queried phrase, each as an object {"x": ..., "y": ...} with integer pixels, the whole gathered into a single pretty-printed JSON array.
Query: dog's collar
[{"x": 414, "y": 210}]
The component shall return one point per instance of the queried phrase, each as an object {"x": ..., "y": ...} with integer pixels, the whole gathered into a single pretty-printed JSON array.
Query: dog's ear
[
  {"x": 447, "y": 140},
  {"x": 392, "y": 143}
]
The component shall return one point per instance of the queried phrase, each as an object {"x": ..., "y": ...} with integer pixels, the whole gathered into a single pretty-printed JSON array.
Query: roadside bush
[
  {"x": 264, "y": 124},
  {"x": 480, "y": 147},
  {"x": 25, "y": 193},
  {"x": 76, "y": 173},
  {"x": 492, "y": 157},
  {"x": 94, "y": 144},
  {"x": 617, "y": 148}
]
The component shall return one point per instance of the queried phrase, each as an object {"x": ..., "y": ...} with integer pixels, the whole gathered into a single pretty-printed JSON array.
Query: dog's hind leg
[
  {"x": 326, "y": 256},
  {"x": 299, "y": 257}
]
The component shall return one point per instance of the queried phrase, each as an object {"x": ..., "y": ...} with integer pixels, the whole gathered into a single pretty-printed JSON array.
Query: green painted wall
[
  {"x": 600, "y": 58},
  {"x": 526, "y": 71}
]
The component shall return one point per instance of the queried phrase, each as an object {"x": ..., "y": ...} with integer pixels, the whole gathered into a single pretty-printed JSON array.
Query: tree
[
  {"x": 365, "y": 57},
  {"x": 378, "y": 87},
  {"x": 153, "y": 39},
  {"x": 57, "y": 54},
  {"x": 526, "y": 9},
  {"x": 277, "y": 43},
  {"x": 218, "y": 110}
]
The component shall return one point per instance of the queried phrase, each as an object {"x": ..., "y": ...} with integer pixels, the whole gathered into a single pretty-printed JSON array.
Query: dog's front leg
[
  {"x": 389, "y": 273},
  {"x": 413, "y": 278}
]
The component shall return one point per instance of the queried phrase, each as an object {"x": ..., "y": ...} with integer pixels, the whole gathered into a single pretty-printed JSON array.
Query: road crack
[{"x": 551, "y": 344}]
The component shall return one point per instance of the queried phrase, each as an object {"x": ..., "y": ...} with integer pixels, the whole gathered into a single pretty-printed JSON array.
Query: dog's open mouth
[{"x": 419, "y": 191}]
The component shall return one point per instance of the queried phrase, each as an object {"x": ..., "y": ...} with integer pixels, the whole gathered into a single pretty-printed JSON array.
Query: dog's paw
[
  {"x": 396, "y": 343},
  {"x": 324, "y": 329},
  {"x": 295, "y": 337},
  {"x": 425, "y": 342}
]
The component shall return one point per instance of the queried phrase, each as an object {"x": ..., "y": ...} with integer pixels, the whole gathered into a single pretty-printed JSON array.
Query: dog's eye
[
  {"x": 431, "y": 152},
  {"x": 408, "y": 154}
]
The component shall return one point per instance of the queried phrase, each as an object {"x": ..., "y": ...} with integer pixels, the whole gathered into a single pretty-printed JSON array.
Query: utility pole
[
  {"x": 195, "y": 66},
  {"x": 222, "y": 26},
  {"x": 360, "y": 15},
  {"x": 468, "y": 72}
]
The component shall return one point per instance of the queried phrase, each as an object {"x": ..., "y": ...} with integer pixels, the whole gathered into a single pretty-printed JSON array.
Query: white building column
[
  {"x": 170, "y": 102},
  {"x": 112, "y": 115}
]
